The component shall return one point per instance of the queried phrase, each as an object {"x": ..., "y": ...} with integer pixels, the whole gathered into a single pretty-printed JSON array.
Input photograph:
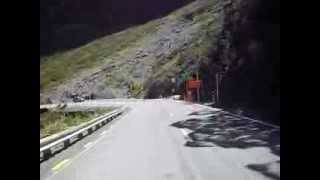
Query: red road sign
[{"x": 193, "y": 84}]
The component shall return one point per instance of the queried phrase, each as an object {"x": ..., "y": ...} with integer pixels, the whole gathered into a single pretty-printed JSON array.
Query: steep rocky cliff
[{"x": 250, "y": 47}]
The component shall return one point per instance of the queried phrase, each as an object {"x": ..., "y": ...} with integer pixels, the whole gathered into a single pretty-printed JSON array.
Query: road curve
[{"x": 145, "y": 144}]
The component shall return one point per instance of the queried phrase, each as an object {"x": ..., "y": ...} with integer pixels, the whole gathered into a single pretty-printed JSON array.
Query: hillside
[
  {"x": 120, "y": 64},
  {"x": 242, "y": 36},
  {"x": 66, "y": 24}
]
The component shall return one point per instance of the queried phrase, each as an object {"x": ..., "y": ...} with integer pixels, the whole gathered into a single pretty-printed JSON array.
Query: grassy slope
[
  {"x": 53, "y": 122},
  {"x": 62, "y": 66}
]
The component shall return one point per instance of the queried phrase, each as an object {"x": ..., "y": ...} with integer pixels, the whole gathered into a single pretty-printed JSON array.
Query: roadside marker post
[{"x": 192, "y": 86}]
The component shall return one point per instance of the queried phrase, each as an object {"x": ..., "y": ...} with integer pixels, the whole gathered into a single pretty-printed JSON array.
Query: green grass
[
  {"x": 136, "y": 88},
  {"x": 198, "y": 51},
  {"x": 203, "y": 43},
  {"x": 167, "y": 68},
  {"x": 61, "y": 66},
  {"x": 120, "y": 77},
  {"x": 52, "y": 122},
  {"x": 178, "y": 63}
]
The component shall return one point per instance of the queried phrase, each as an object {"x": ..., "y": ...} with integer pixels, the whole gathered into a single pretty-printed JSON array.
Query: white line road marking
[
  {"x": 184, "y": 132},
  {"x": 88, "y": 145},
  {"x": 104, "y": 132},
  {"x": 69, "y": 161},
  {"x": 60, "y": 164},
  {"x": 99, "y": 139}
]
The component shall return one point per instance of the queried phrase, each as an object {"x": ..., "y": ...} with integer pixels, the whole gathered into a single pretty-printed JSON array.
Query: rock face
[{"x": 250, "y": 46}]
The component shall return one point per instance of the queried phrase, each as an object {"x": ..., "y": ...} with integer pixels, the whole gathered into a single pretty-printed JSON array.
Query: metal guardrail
[
  {"x": 47, "y": 140},
  {"x": 59, "y": 143}
]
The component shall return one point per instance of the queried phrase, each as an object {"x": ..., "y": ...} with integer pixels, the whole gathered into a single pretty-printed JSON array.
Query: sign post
[
  {"x": 194, "y": 85},
  {"x": 217, "y": 88},
  {"x": 198, "y": 89},
  {"x": 173, "y": 90}
]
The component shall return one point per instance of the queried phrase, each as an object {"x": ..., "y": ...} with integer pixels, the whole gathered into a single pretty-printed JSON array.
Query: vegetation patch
[
  {"x": 52, "y": 122},
  {"x": 136, "y": 89}
]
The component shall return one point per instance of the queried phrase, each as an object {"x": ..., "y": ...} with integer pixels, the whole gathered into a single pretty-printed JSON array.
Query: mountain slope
[
  {"x": 126, "y": 63},
  {"x": 66, "y": 24},
  {"x": 238, "y": 37}
]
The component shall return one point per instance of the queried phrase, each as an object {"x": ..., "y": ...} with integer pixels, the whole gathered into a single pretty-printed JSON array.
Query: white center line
[{"x": 88, "y": 146}]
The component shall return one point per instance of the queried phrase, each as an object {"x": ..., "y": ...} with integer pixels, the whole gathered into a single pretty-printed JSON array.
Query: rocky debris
[
  {"x": 102, "y": 95},
  {"x": 131, "y": 61},
  {"x": 76, "y": 97},
  {"x": 158, "y": 55},
  {"x": 176, "y": 30},
  {"x": 136, "y": 74},
  {"x": 141, "y": 54},
  {"x": 45, "y": 100}
]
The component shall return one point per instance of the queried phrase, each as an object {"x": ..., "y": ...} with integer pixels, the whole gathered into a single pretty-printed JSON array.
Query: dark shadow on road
[
  {"x": 266, "y": 169},
  {"x": 218, "y": 128},
  {"x": 225, "y": 130}
]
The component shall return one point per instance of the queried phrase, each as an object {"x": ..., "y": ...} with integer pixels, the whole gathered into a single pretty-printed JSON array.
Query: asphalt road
[{"x": 144, "y": 145}]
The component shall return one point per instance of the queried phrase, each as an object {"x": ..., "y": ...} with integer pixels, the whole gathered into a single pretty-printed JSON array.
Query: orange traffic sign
[{"x": 193, "y": 84}]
